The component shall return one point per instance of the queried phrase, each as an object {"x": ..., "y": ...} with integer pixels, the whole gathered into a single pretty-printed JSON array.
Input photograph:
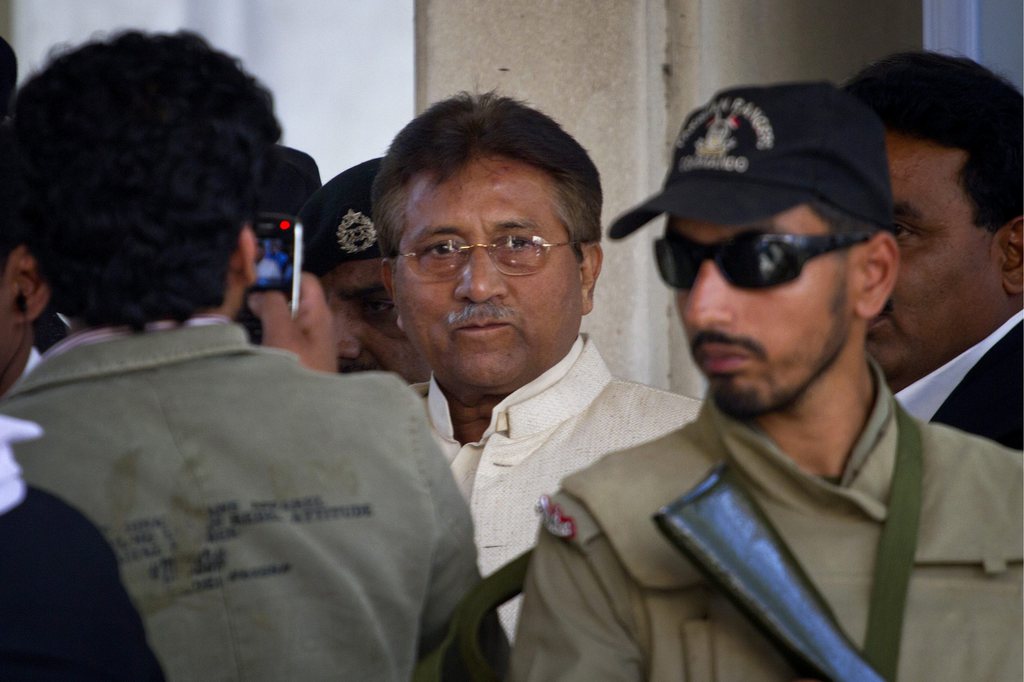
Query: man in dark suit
[
  {"x": 950, "y": 339},
  {"x": 64, "y": 614}
]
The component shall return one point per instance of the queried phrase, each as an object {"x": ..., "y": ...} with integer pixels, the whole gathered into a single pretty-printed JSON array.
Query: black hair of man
[
  {"x": 143, "y": 155},
  {"x": 8, "y": 75},
  {"x": 840, "y": 221},
  {"x": 954, "y": 102},
  {"x": 12, "y": 229},
  {"x": 456, "y": 131}
]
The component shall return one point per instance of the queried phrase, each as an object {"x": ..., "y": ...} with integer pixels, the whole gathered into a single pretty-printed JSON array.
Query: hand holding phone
[
  {"x": 306, "y": 331},
  {"x": 279, "y": 255}
]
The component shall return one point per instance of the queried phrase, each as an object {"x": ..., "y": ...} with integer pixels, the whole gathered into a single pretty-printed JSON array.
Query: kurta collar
[{"x": 563, "y": 391}]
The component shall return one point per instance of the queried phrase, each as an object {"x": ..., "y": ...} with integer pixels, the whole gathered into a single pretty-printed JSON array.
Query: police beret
[{"x": 337, "y": 220}]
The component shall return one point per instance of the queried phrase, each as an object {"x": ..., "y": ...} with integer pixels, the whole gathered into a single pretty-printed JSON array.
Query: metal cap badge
[{"x": 337, "y": 218}]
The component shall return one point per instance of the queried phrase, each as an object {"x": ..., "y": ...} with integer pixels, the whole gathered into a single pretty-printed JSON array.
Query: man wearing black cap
[
  {"x": 342, "y": 251},
  {"x": 778, "y": 247},
  {"x": 951, "y": 340}
]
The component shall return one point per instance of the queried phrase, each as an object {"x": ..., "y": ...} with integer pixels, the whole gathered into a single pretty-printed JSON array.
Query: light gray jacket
[{"x": 270, "y": 522}]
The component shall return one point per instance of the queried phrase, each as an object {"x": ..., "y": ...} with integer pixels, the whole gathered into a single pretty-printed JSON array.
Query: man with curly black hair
[{"x": 270, "y": 522}]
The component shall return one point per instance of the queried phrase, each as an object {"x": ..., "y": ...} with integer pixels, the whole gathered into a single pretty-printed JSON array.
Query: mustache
[
  {"x": 702, "y": 338},
  {"x": 479, "y": 312}
]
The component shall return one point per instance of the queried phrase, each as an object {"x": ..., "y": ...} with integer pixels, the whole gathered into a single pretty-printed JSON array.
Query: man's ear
[
  {"x": 1009, "y": 244},
  {"x": 387, "y": 276},
  {"x": 242, "y": 266},
  {"x": 31, "y": 293},
  {"x": 241, "y": 273},
  {"x": 590, "y": 270},
  {"x": 875, "y": 266}
]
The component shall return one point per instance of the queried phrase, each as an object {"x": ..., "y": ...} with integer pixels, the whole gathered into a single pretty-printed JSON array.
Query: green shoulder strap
[
  {"x": 463, "y": 637},
  {"x": 896, "y": 548}
]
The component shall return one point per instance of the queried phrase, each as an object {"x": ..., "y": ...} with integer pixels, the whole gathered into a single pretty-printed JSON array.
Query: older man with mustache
[{"x": 488, "y": 215}]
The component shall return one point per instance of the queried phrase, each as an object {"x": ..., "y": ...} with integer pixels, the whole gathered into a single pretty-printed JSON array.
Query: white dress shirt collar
[
  {"x": 924, "y": 397},
  {"x": 12, "y": 487},
  {"x": 33, "y": 360}
]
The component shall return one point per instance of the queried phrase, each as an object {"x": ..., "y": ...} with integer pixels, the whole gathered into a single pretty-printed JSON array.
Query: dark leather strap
[{"x": 463, "y": 637}]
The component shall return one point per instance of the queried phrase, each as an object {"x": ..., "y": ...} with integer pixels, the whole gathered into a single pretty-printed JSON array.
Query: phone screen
[
  {"x": 278, "y": 258},
  {"x": 278, "y": 264}
]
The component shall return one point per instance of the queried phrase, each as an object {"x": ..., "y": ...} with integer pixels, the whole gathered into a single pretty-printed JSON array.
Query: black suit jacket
[
  {"x": 990, "y": 400},
  {"x": 63, "y": 612}
]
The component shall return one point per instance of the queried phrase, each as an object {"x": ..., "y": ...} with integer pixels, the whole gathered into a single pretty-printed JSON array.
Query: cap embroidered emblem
[
  {"x": 721, "y": 119},
  {"x": 554, "y": 521},
  {"x": 717, "y": 141},
  {"x": 356, "y": 232}
]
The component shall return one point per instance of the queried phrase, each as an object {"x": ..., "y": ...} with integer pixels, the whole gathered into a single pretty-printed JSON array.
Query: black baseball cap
[
  {"x": 338, "y": 222},
  {"x": 753, "y": 152}
]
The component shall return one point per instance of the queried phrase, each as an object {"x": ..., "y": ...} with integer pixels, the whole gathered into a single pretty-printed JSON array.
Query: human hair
[
  {"x": 954, "y": 102},
  {"x": 840, "y": 221},
  {"x": 142, "y": 157},
  {"x": 456, "y": 131},
  {"x": 13, "y": 232}
]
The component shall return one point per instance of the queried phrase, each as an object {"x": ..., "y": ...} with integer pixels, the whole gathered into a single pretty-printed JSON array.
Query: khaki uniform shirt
[
  {"x": 270, "y": 523},
  {"x": 618, "y": 602}
]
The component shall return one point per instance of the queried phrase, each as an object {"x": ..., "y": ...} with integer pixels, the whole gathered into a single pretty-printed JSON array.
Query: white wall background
[
  {"x": 987, "y": 31},
  {"x": 341, "y": 70}
]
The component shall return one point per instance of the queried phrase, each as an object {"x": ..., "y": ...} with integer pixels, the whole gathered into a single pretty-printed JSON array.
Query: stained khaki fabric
[
  {"x": 270, "y": 523},
  {"x": 572, "y": 424},
  {"x": 617, "y": 602}
]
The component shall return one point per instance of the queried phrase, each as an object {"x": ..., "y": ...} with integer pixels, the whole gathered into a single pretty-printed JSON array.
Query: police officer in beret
[
  {"x": 779, "y": 249},
  {"x": 342, "y": 251}
]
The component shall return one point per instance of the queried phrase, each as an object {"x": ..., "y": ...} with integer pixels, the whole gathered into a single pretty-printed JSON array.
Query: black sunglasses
[{"x": 752, "y": 260}]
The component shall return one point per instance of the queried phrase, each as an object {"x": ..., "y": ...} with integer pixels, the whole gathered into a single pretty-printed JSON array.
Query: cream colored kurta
[
  {"x": 537, "y": 437},
  {"x": 618, "y": 602}
]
